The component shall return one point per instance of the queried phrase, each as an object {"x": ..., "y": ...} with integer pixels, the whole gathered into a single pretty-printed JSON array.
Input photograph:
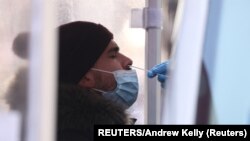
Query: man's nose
[{"x": 126, "y": 62}]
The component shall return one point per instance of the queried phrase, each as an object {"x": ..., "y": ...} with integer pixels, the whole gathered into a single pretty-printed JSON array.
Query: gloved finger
[
  {"x": 151, "y": 74},
  {"x": 163, "y": 85},
  {"x": 161, "y": 78},
  {"x": 158, "y": 69}
]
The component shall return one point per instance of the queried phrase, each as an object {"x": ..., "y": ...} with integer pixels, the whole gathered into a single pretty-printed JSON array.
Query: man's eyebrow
[{"x": 114, "y": 49}]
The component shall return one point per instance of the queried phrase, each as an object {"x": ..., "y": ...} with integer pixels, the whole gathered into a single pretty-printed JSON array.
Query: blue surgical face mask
[{"x": 126, "y": 90}]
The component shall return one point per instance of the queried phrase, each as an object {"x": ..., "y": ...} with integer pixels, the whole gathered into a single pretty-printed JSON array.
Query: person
[
  {"x": 90, "y": 58},
  {"x": 79, "y": 110},
  {"x": 204, "y": 93},
  {"x": 16, "y": 94},
  {"x": 73, "y": 104}
]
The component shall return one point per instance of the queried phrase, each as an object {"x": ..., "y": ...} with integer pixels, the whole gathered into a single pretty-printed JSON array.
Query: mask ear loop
[
  {"x": 98, "y": 90},
  {"x": 102, "y": 70}
]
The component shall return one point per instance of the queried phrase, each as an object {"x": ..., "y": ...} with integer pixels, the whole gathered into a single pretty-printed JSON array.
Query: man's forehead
[
  {"x": 112, "y": 46},
  {"x": 112, "y": 43}
]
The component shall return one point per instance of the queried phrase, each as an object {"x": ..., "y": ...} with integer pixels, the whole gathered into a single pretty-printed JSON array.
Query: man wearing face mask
[{"x": 90, "y": 58}]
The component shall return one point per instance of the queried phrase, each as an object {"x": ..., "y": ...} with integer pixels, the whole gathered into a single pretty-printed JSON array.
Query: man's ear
[{"x": 87, "y": 81}]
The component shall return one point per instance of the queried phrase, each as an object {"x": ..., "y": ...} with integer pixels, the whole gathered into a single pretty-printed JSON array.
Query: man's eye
[{"x": 113, "y": 55}]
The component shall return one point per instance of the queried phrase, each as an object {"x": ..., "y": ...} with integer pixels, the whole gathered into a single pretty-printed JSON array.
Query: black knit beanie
[{"x": 80, "y": 45}]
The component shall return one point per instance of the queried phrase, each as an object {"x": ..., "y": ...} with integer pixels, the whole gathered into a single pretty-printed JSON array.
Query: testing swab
[
  {"x": 144, "y": 70},
  {"x": 138, "y": 68}
]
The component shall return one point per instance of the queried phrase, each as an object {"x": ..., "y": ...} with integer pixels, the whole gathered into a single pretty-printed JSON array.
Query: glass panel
[
  {"x": 186, "y": 36},
  {"x": 226, "y": 57},
  {"x": 169, "y": 22},
  {"x": 13, "y": 57}
]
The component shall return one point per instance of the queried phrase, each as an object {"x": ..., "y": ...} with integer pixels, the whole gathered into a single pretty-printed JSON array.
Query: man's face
[{"x": 110, "y": 60}]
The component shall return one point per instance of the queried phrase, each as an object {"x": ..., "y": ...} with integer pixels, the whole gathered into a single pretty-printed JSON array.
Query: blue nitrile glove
[{"x": 160, "y": 70}]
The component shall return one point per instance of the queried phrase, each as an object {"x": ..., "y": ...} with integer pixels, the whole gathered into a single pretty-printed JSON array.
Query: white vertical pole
[
  {"x": 152, "y": 56},
  {"x": 181, "y": 96},
  {"x": 42, "y": 76}
]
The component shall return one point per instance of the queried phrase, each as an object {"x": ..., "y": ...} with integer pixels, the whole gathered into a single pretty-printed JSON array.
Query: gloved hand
[{"x": 160, "y": 70}]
